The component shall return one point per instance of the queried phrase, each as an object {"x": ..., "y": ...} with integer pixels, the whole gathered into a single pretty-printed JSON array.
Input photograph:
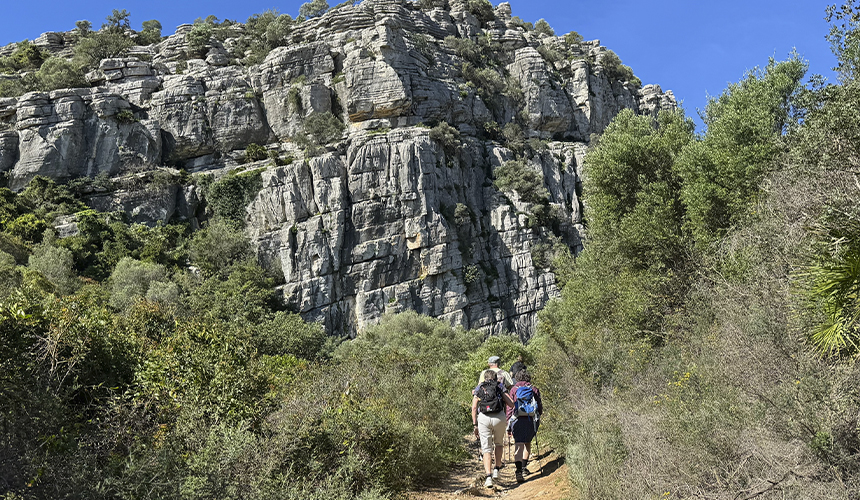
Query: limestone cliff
[{"x": 387, "y": 216}]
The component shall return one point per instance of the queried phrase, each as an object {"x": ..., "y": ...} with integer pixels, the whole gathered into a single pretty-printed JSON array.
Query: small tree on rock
[{"x": 314, "y": 8}]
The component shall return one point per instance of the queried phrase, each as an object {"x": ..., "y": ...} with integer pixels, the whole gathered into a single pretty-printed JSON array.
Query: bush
[
  {"x": 543, "y": 28},
  {"x": 255, "y": 152},
  {"x": 518, "y": 176},
  {"x": 611, "y": 63},
  {"x": 447, "y": 136},
  {"x": 59, "y": 73},
  {"x": 287, "y": 333},
  {"x": 320, "y": 129},
  {"x": 131, "y": 279},
  {"x": 572, "y": 38},
  {"x": 432, "y": 4},
  {"x": 488, "y": 80},
  {"x": 314, "y": 8},
  {"x": 218, "y": 246},
  {"x": 28, "y": 227},
  {"x": 90, "y": 51},
  {"x": 229, "y": 196},
  {"x": 56, "y": 264},
  {"x": 482, "y": 9},
  {"x": 198, "y": 38},
  {"x": 151, "y": 33}
]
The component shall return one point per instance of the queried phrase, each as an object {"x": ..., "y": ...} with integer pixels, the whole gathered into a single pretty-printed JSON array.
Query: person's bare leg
[
  {"x": 519, "y": 448},
  {"x": 528, "y": 453},
  {"x": 488, "y": 463},
  {"x": 500, "y": 449}
]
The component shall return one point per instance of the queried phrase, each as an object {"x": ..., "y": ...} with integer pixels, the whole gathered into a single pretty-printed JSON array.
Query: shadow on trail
[{"x": 545, "y": 468}]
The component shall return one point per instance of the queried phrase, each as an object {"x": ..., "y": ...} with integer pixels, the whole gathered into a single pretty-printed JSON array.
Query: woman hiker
[
  {"x": 488, "y": 417},
  {"x": 523, "y": 419}
]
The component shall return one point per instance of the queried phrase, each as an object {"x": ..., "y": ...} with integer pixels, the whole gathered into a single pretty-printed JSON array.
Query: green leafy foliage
[
  {"x": 314, "y": 8},
  {"x": 722, "y": 173},
  {"x": 198, "y": 38},
  {"x": 543, "y": 28},
  {"x": 481, "y": 9},
  {"x": 615, "y": 70},
  {"x": 634, "y": 195},
  {"x": 150, "y": 33},
  {"x": 228, "y": 196},
  {"x": 447, "y": 136},
  {"x": 218, "y": 246},
  {"x": 519, "y": 176}
]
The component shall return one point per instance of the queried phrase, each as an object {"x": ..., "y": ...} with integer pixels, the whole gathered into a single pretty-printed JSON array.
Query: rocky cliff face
[{"x": 387, "y": 217}]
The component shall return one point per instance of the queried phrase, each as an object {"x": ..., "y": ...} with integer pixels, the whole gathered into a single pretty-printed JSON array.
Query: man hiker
[
  {"x": 501, "y": 375},
  {"x": 523, "y": 420},
  {"x": 488, "y": 419}
]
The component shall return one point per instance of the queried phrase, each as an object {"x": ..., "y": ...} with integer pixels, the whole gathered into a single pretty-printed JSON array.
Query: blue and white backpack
[{"x": 525, "y": 404}]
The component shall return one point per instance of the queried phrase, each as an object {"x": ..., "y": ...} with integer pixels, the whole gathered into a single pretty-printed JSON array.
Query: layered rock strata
[{"x": 385, "y": 218}]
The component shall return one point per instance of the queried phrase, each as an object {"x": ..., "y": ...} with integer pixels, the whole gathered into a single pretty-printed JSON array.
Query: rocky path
[{"x": 467, "y": 480}]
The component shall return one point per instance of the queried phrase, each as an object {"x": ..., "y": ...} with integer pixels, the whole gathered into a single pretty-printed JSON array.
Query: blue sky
[{"x": 691, "y": 47}]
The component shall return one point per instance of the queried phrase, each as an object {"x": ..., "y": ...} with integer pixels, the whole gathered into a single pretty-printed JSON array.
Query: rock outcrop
[{"x": 391, "y": 215}]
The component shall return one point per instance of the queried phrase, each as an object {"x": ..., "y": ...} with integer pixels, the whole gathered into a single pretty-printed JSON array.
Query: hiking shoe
[
  {"x": 496, "y": 473},
  {"x": 488, "y": 483},
  {"x": 520, "y": 478}
]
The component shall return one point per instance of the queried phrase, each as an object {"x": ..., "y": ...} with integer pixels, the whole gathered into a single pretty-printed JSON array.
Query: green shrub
[
  {"x": 28, "y": 227},
  {"x": 465, "y": 48},
  {"x": 240, "y": 294},
  {"x": 228, "y": 197},
  {"x": 543, "y": 28},
  {"x": 615, "y": 70},
  {"x": 322, "y": 128},
  {"x": 218, "y": 246},
  {"x": 517, "y": 21},
  {"x": 25, "y": 57},
  {"x": 572, "y": 38},
  {"x": 314, "y": 8},
  {"x": 549, "y": 54},
  {"x": 90, "y": 51},
  {"x": 125, "y": 116},
  {"x": 131, "y": 279},
  {"x": 263, "y": 32},
  {"x": 198, "y": 38},
  {"x": 255, "y": 152},
  {"x": 518, "y": 176},
  {"x": 482, "y": 9},
  {"x": 151, "y": 33},
  {"x": 287, "y": 333},
  {"x": 83, "y": 28},
  {"x": 56, "y": 264},
  {"x": 488, "y": 81},
  {"x": 447, "y": 136},
  {"x": 432, "y": 4},
  {"x": 59, "y": 73}
]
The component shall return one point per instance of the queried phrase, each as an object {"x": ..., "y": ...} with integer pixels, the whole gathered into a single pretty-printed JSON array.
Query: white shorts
[{"x": 491, "y": 428}]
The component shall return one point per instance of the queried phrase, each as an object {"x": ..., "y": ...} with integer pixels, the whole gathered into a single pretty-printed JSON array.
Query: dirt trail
[{"x": 467, "y": 480}]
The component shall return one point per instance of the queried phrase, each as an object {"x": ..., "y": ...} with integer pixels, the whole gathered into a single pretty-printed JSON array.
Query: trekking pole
[{"x": 537, "y": 445}]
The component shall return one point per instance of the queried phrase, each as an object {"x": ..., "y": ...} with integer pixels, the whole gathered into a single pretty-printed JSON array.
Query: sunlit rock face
[{"x": 388, "y": 216}]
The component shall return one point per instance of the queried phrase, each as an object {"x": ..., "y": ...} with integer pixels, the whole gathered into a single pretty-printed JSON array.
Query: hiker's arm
[
  {"x": 475, "y": 414},
  {"x": 508, "y": 399}
]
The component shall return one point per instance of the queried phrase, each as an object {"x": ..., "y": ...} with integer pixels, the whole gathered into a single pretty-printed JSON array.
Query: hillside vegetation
[
  {"x": 706, "y": 342},
  {"x": 704, "y": 345}
]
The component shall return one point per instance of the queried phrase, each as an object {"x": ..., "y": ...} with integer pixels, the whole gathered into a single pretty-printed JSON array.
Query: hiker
[
  {"x": 523, "y": 420},
  {"x": 488, "y": 417},
  {"x": 502, "y": 376},
  {"x": 517, "y": 366}
]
